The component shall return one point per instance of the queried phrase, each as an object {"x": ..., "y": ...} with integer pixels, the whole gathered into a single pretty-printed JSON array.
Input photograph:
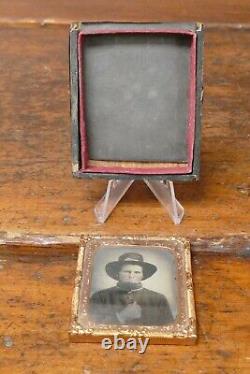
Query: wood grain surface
[
  {"x": 40, "y": 199},
  {"x": 35, "y": 311},
  {"x": 209, "y": 11}
]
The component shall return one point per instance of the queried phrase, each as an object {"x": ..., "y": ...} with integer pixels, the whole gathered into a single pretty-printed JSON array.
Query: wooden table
[{"x": 44, "y": 211}]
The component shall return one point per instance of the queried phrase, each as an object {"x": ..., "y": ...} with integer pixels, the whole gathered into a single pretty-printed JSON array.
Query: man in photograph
[{"x": 128, "y": 302}]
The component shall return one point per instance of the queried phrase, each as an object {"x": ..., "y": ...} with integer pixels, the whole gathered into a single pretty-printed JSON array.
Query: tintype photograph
[
  {"x": 134, "y": 287},
  {"x": 143, "y": 287}
]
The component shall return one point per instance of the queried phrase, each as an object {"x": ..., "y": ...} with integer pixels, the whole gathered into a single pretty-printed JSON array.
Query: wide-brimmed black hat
[{"x": 113, "y": 268}]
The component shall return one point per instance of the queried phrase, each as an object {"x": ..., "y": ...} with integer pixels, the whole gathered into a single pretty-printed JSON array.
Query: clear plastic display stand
[{"x": 162, "y": 189}]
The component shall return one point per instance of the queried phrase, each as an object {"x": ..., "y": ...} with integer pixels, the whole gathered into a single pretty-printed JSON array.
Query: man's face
[{"x": 130, "y": 273}]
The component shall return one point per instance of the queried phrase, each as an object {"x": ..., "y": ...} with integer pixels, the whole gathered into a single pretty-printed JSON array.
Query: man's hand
[{"x": 130, "y": 312}]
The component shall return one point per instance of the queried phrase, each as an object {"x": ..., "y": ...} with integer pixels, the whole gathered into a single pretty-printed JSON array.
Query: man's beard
[{"x": 129, "y": 286}]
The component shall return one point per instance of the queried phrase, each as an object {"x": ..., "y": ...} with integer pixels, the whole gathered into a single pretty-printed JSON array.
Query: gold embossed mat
[{"x": 131, "y": 286}]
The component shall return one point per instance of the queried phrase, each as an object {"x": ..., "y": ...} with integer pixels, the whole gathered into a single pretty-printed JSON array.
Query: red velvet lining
[{"x": 191, "y": 116}]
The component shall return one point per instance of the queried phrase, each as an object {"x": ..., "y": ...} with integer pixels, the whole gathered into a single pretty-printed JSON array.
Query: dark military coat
[{"x": 105, "y": 304}]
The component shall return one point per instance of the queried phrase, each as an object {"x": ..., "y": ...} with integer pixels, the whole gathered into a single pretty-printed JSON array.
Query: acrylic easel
[{"x": 162, "y": 189}]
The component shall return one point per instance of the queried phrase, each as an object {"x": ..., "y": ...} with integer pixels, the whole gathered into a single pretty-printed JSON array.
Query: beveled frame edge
[
  {"x": 74, "y": 98},
  {"x": 199, "y": 98},
  {"x": 135, "y": 167},
  {"x": 170, "y": 177},
  {"x": 74, "y": 80},
  {"x": 185, "y": 334}
]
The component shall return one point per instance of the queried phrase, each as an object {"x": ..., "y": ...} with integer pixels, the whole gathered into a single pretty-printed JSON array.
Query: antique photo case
[
  {"x": 136, "y": 93},
  {"x": 134, "y": 287}
]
